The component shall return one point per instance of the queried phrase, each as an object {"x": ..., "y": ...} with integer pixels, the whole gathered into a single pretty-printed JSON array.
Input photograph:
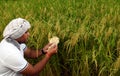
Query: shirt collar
[{"x": 14, "y": 42}]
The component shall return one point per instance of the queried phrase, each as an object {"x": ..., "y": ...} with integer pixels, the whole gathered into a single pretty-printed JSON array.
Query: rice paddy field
[{"x": 89, "y": 32}]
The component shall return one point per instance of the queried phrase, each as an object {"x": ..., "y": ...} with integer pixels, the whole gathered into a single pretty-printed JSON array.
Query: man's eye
[{"x": 26, "y": 32}]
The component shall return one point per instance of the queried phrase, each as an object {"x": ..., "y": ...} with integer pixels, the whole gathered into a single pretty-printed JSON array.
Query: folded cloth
[{"x": 16, "y": 28}]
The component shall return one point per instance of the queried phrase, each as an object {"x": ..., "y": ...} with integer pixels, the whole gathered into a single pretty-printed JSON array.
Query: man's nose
[{"x": 28, "y": 33}]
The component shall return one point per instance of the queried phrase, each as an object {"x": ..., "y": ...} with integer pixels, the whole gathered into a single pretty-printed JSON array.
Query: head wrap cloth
[{"x": 16, "y": 28}]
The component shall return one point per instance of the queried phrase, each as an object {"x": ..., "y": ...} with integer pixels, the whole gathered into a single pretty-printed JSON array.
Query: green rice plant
[{"x": 88, "y": 32}]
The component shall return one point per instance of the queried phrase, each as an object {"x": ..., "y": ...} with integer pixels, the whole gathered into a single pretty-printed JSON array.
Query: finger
[
  {"x": 49, "y": 44},
  {"x": 55, "y": 46},
  {"x": 56, "y": 51}
]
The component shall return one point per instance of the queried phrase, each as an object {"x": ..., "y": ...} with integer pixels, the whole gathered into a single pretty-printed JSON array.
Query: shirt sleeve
[
  {"x": 15, "y": 62},
  {"x": 23, "y": 47}
]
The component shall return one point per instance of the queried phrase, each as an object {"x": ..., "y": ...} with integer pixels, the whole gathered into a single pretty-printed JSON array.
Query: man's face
[{"x": 24, "y": 37}]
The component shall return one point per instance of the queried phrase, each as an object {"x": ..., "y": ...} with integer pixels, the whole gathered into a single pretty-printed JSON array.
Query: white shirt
[{"x": 11, "y": 58}]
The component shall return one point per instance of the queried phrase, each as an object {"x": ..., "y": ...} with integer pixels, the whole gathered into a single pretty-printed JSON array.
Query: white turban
[{"x": 16, "y": 28}]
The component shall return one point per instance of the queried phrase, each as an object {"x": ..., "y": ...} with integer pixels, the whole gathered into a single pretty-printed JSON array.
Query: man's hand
[
  {"x": 45, "y": 49},
  {"x": 50, "y": 50}
]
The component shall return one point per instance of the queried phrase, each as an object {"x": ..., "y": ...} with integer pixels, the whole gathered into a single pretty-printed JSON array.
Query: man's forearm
[
  {"x": 30, "y": 53},
  {"x": 33, "y": 70},
  {"x": 40, "y": 65}
]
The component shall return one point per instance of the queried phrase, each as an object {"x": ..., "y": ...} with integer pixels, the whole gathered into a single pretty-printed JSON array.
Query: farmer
[{"x": 13, "y": 50}]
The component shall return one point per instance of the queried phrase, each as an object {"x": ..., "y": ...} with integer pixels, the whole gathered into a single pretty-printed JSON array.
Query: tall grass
[{"x": 88, "y": 32}]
